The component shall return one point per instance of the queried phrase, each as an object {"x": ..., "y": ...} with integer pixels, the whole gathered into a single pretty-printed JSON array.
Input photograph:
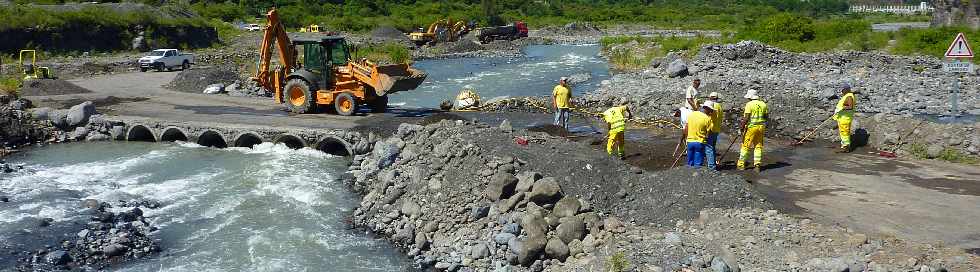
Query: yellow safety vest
[
  {"x": 616, "y": 117},
  {"x": 717, "y": 118},
  {"x": 845, "y": 114},
  {"x": 757, "y": 111}
]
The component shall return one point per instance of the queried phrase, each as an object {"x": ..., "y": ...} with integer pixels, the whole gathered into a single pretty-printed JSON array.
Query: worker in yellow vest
[
  {"x": 712, "y": 140},
  {"x": 696, "y": 131},
  {"x": 615, "y": 118},
  {"x": 844, "y": 114},
  {"x": 563, "y": 107},
  {"x": 754, "y": 128}
]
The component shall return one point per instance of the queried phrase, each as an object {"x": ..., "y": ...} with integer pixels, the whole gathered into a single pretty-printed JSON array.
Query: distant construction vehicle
[
  {"x": 28, "y": 65},
  {"x": 445, "y": 30},
  {"x": 513, "y": 31},
  {"x": 323, "y": 74}
]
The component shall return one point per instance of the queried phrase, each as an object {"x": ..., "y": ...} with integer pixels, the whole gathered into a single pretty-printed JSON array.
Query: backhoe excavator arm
[{"x": 275, "y": 33}]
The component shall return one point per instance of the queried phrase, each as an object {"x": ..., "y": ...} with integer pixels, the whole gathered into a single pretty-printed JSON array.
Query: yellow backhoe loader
[
  {"x": 444, "y": 30},
  {"x": 322, "y": 74},
  {"x": 30, "y": 68}
]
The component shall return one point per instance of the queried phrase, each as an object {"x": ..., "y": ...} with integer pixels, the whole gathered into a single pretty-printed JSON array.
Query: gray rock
[
  {"x": 57, "y": 257},
  {"x": 479, "y": 212},
  {"x": 575, "y": 247},
  {"x": 479, "y": 251},
  {"x": 531, "y": 249},
  {"x": 117, "y": 133},
  {"x": 59, "y": 118},
  {"x": 113, "y": 250},
  {"x": 79, "y": 133},
  {"x": 83, "y": 234},
  {"x": 515, "y": 245},
  {"x": 503, "y": 238},
  {"x": 571, "y": 228},
  {"x": 405, "y": 235},
  {"x": 512, "y": 202},
  {"x": 442, "y": 265},
  {"x": 214, "y": 89},
  {"x": 79, "y": 114},
  {"x": 534, "y": 224},
  {"x": 545, "y": 191},
  {"x": 934, "y": 151},
  {"x": 677, "y": 68},
  {"x": 506, "y": 127},
  {"x": 501, "y": 186},
  {"x": 828, "y": 264},
  {"x": 512, "y": 228},
  {"x": 718, "y": 265},
  {"x": 41, "y": 114},
  {"x": 613, "y": 224},
  {"x": 556, "y": 249},
  {"x": 97, "y": 137},
  {"x": 421, "y": 241},
  {"x": 411, "y": 208},
  {"x": 526, "y": 181},
  {"x": 567, "y": 206},
  {"x": 672, "y": 238}
]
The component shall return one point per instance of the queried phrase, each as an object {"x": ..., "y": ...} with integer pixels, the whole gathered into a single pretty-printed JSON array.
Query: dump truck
[
  {"x": 444, "y": 30},
  {"x": 318, "y": 73},
  {"x": 508, "y": 32}
]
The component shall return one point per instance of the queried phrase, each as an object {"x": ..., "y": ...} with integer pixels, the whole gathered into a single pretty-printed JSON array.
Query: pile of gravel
[
  {"x": 388, "y": 33},
  {"x": 197, "y": 79},
  {"x": 39, "y": 87}
]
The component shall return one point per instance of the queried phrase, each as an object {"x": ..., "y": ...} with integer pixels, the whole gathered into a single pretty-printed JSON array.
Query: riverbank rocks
[
  {"x": 79, "y": 114},
  {"x": 545, "y": 191},
  {"x": 501, "y": 186}
]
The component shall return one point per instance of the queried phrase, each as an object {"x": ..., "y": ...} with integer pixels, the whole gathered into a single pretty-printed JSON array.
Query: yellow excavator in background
[
  {"x": 444, "y": 30},
  {"x": 322, "y": 73},
  {"x": 30, "y": 69},
  {"x": 310, "y": 28}
]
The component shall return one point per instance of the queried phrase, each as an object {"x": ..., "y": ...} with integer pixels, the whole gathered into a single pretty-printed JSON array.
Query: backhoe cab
[{"x": 315, "y": 73}]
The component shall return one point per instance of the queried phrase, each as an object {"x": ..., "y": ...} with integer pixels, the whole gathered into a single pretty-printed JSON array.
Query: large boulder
[
  {"x": 545, "y": 191},
  {"x": 41, "y": 114},
  {"x": 556, "y": 249},
  {"x": 525, "y": 180},
  {"x": 534, "y": 224},
  {"x": 501, "y": 186},
  {"x": 79, "y": 114},
  {"x": 567, "y": 206},
  {"x": 531, "y": 249},
  {"x": 570, "y": 228},
  {"x": 59, "y": 118},
  {"x": 677, "y": 68},
  {"x": 80, "y": 133}
]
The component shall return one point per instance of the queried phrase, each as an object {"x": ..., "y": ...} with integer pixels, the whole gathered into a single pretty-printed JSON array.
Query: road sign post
[{"x": 958, "y": 51}]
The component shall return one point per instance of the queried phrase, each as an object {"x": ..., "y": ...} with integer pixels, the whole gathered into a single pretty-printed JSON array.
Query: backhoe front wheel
[
  {"x": 345, "y": 104},
  {"x": 299, "y": 96}
]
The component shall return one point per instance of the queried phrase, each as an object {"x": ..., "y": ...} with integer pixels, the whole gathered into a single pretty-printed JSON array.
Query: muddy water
[
  {"x": 264, "y": 209},
  {"x": 533, "y": 75}
]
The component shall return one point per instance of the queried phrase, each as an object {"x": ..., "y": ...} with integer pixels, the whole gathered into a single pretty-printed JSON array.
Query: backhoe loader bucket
[{"x": 397, "y": 78}]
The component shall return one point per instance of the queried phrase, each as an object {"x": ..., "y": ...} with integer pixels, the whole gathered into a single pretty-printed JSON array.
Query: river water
[
  {"x": 270, "y": 208},
  {"x": 535, "y": 74}
]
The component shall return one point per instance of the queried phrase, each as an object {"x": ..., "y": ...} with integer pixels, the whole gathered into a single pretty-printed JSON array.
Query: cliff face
[{"x": 956, "y": 12}]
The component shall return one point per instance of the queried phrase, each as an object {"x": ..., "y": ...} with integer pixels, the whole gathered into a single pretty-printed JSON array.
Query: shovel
[
  {"x": 729, "y": 149},
  {"x": 812, "y": 132}
]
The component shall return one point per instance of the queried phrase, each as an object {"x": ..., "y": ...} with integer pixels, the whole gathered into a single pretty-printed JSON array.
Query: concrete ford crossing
[{"x": 161, "y": 59}]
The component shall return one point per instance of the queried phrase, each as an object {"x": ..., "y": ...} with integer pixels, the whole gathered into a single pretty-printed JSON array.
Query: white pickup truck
[{"x": 161, "y": 59}]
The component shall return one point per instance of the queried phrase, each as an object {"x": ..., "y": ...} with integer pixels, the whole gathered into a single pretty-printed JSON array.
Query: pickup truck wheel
[
  {"x": 160, "y": 67},
  {"x": 379, "y": 104},
  {"x": 184, "y": 66},
  {"x": 299, "y": 97},
  {"x": 345, "y": 104},
  {"x": 143, "y": 69}
]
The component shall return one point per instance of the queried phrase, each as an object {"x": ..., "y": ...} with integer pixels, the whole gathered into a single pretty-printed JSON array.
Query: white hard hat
[
  {"x": 709, "y": 104},
  {"x": 713, "y": 94},
  {"x": 752, "y": 94},
  {"x": 563, "y": 79}
]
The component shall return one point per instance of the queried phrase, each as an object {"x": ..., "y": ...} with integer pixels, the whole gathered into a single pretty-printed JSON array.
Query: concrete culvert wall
[
  {"x": 173, "y": 134},
  {"x": 248, "y": 139},
  {"x": 212, "y": 138},
  {"x": 140, "y": 133},
  {"x": 292, "y": 141},
  {"x": 334, "y": 146}
]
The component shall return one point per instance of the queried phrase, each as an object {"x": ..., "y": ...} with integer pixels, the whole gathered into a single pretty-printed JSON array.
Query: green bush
[
  {"x": 382, "y": 53},
  {"x": 10, "y": 85},
  {"x": 782, "y": 27},
  {"x": 931, "y": 41}
]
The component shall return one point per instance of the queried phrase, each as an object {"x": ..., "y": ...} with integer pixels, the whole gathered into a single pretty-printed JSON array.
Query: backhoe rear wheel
[
  {"x": 345, "y": 104},
  {"x": 379, "y": 104},
  {"x": 299, "y": 97}
]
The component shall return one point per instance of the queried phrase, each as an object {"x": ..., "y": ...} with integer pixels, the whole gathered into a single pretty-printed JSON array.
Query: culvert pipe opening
[
  {"x": 173, "y": 135},
  {"x": 291, "y": 141},
  {"x": 248, "y": 140},
  {"x": 140, "y": 133},
  {"x": 211, "y": 138},
  {"x": 334, "y": 146}
]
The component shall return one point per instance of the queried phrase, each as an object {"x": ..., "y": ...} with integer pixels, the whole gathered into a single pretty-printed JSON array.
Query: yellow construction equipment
[
  {"x": 314, "y": 28},
  {"x": 323, "y": 74},
  {"x": 444, "y": 30},
  {"x": 31, "y": 70}
]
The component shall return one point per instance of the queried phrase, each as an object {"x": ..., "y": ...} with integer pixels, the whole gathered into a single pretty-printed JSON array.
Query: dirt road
[{"x": 924, "y": 201}]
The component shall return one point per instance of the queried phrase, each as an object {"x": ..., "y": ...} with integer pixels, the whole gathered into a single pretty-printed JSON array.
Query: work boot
[{"x": 758, "y": 169}]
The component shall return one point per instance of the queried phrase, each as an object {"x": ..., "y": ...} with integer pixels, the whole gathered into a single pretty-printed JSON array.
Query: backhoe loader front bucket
[{"x": 397, "y": 78}]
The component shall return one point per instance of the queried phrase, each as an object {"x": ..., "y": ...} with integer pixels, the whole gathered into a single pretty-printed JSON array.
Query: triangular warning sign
[{"x": 960, "y": 48}]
